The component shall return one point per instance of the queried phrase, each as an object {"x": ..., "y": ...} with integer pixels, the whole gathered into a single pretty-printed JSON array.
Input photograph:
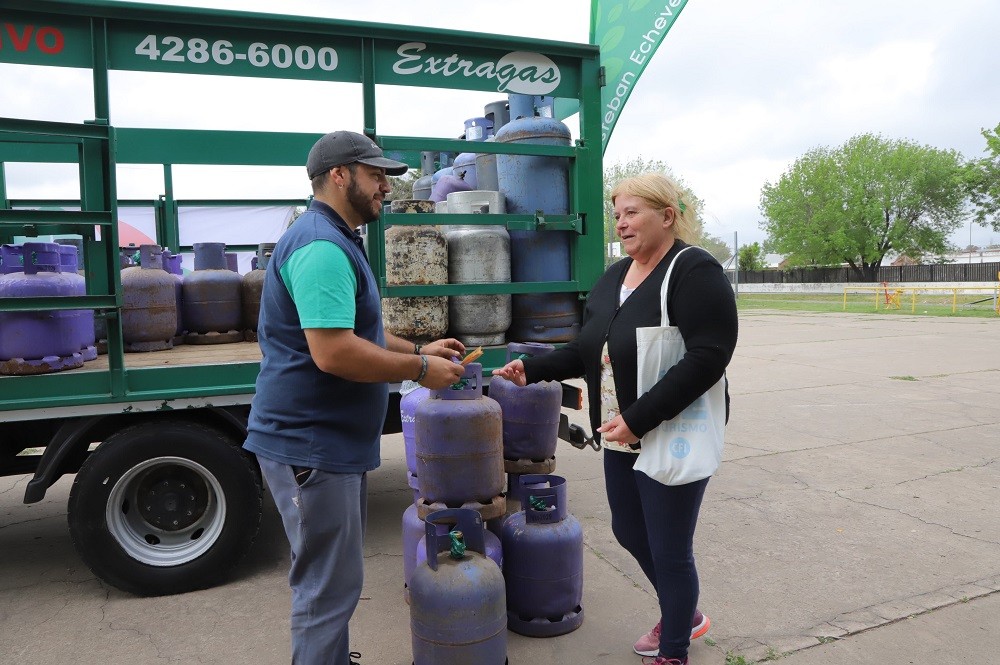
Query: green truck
[{"x": 163, "y": 498}]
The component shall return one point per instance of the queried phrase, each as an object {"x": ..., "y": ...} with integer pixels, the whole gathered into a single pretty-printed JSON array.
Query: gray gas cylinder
[
  {"x": 251, "y": 289},
  {"x": 422, "y": 186},
  {"x": 211, "y": 295},
  {"x": 149, "y": 307},
  {"x": 415, "y": 255},
  {"x": 486, "y": 164},
  {"x": 478, "y": 255}
]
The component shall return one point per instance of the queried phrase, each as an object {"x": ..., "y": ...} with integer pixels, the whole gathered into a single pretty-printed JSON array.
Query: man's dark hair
[{"x": 320, "y": 181}]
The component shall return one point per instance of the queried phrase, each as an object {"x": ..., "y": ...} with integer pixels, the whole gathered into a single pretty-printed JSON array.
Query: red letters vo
[{"x": 47, "y": 39}]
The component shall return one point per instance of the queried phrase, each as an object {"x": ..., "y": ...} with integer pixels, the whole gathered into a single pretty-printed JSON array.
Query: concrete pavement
[{"x": 854, "y": 521}]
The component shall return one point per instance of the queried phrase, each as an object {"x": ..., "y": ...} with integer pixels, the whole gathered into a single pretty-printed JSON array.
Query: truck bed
[
  {"x": 185, "y": 354},
  {"x": 185, "y": 376}
]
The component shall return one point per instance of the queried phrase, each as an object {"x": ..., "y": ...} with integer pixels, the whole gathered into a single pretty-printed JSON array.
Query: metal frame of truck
[{"x": 177, "y": 428}]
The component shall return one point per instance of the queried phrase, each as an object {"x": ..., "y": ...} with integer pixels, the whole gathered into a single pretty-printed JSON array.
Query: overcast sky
[{"x": 737, "y": 91}]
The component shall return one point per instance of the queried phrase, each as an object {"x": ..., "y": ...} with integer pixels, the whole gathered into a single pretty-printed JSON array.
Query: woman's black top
[{"x": 701, "y": 303}]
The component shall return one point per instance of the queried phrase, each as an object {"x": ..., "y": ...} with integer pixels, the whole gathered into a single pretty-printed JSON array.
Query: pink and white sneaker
[{"x": 649, "y": 644}]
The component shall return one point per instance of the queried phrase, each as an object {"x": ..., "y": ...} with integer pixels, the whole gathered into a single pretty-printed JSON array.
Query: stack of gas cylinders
[
  {"x": 161, "y": 307},
  {"x": 454, "y": 448},
  {"x": 474, "y": 183},
  {"x": 530, "y": 580}
]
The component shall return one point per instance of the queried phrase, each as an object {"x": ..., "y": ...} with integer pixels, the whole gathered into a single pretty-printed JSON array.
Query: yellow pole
[
  {"x": 954, "y": 300},
  {"x": 913, "y": 305},
  {"x": 845, "y": 299}
]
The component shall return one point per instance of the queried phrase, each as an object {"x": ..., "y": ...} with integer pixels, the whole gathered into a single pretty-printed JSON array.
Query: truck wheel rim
[{"x": 166, "y": 511}]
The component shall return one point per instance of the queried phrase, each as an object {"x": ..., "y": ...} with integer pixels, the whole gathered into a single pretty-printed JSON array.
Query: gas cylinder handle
[
  {"x": 439, "y": 524},
  {"x": 528, "y": 349},
  {"x": 470, "y": 386},
  {"x": 151, "y": 257},
  {"x": 554, "y": 494},
  {"x": 41, "y": 257}
]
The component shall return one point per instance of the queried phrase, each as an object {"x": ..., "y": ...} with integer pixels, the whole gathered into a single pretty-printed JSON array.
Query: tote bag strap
[{"x": 664, "y": 288}]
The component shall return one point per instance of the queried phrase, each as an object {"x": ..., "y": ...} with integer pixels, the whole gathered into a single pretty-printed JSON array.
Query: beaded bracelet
[{"x": 423, "y": 369}]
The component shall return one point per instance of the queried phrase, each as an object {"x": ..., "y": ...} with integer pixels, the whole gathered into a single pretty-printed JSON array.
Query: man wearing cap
[{"x": 322, "y": 391}]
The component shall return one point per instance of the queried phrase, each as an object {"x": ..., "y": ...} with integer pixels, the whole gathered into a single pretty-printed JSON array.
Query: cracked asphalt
[{"x": 855, "y": 520}]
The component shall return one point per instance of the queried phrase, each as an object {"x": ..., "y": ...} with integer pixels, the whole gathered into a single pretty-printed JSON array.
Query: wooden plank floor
[{"x": 186, "y": 354}]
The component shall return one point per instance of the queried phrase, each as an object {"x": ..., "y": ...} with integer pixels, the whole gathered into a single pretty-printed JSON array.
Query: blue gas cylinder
[
  {"x": 457, "y": 611},
  {"x": 212, "y": 309},
  {"x": 538, "y": 184},
  {"x": 543, "y": 561},
  {"x": 458, "y": 435},
  {"x": 38, "y": 342},
  {"x": 476, "y": 129},
  {"x": 465, "y": 168},
  {"x": 531, "y": 412}
]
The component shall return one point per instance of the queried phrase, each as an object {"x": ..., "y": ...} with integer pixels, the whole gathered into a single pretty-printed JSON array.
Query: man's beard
[{"x": 363, "y": 206}]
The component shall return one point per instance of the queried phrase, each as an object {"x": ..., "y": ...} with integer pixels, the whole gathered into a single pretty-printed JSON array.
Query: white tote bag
[{"x": 687, "y": 447}]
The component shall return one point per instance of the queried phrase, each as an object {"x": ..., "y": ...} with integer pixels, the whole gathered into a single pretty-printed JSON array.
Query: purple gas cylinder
[
  {"x": 211, "y": 308},
  {"x": 149, "y": 304},
  {"x": 446, "y": 185},
  {"x": 233, "y": 262},
  {"x": 251, "y": 289},
  {"x": 458, "y": 436},
  {"x": 490, "y": 541},
  {"x": 38, "y": 342},
  {"x": 457, "y": 611},
  {"x": 530, "y": 413},
  {"x": 413, "y": 533},
  {"x": 412, "y": 395},
  {"x": 11, "y": 259},
  {"x": 543, "y": 561},
  {"x": 172, "y": 264},
  {"x": 82, "y": 320},
  {"x": 414, "y": 546}
]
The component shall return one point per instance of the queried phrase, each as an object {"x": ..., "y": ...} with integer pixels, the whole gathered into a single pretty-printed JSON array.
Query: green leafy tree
[
  {"x": 402, "y": 186},
  {"x": 855, "y": 203},
  {"x": 984, "y": 181},
  {"x": 715, "y": 246},
  {"x": 751, "y": 257},
  {"x": 615, "y": 173}
]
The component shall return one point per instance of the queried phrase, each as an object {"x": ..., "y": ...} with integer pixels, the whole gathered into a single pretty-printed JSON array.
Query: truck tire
[{"x": 165, "y": 507}]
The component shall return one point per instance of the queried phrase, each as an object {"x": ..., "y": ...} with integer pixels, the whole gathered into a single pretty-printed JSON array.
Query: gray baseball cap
[{"x": 339, "y": 148}]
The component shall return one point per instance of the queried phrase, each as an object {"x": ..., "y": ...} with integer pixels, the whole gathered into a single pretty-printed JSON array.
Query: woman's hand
[
  {"x": 449, "y": 348},
  {"x": 616, "y": 430},
  {"x": 513, "y": 372}
]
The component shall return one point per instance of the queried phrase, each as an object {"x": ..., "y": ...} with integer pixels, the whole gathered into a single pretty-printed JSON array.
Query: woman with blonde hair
[{"x": 654, "y": 522}]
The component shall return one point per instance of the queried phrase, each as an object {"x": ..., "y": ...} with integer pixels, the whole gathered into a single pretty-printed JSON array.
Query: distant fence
[{"x": 945, "y": 272}]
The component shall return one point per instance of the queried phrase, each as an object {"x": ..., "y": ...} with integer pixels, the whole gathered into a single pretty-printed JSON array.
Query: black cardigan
[{"x": 701, "y": 304}]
